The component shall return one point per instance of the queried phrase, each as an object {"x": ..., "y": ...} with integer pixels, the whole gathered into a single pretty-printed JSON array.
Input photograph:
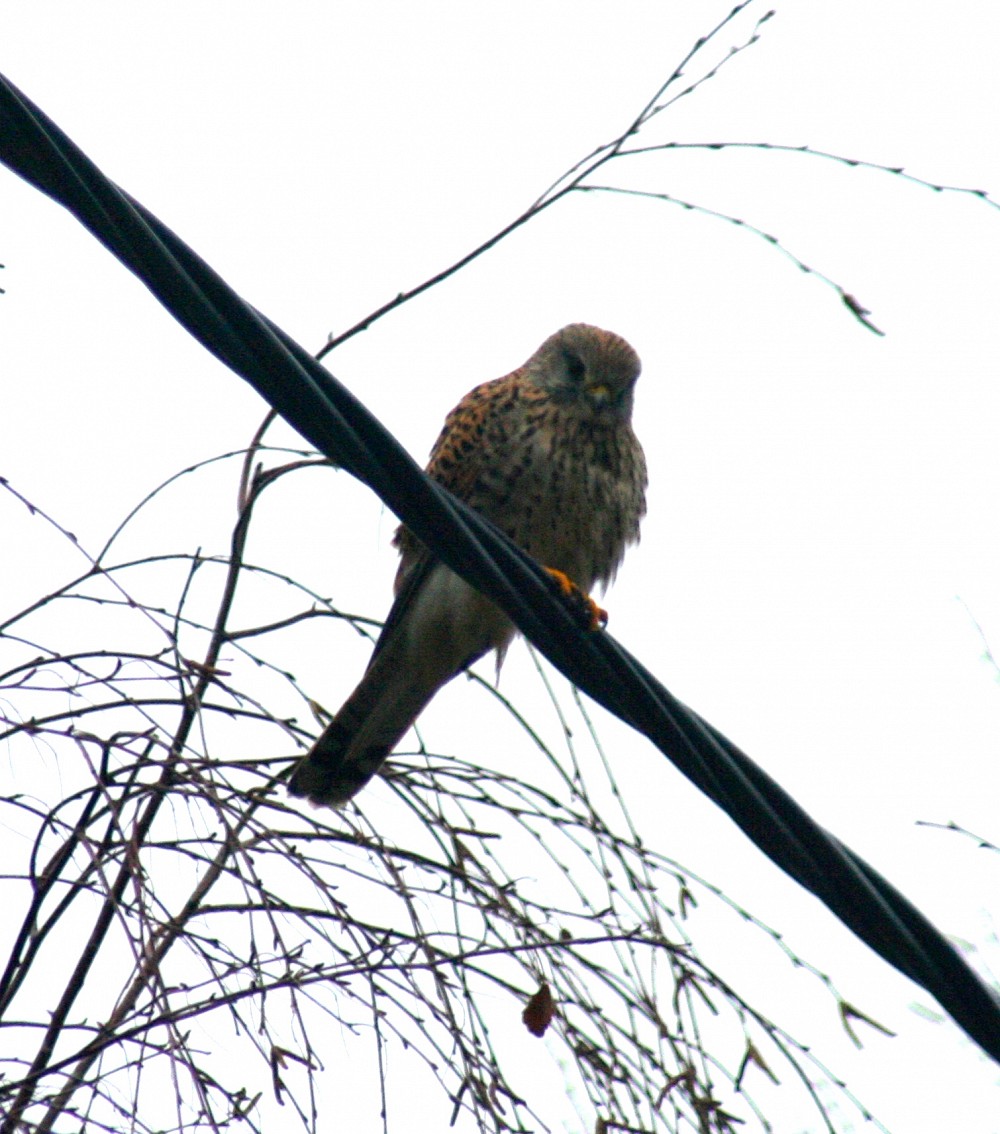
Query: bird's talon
[
  {"x": 596, "y": 616},
  {"x": 564, "y": 582}
]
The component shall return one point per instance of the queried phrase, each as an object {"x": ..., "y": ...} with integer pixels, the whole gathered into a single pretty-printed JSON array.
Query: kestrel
[{"x": 548, "y": 454}]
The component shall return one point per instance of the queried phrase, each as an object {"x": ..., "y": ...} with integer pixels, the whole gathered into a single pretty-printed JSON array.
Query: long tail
[
  {"x": 355, "y": 744},
  {"x": 438, "y": 625}
]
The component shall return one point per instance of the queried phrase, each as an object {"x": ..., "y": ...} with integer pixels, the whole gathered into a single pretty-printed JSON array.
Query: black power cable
[{"x": 327, "y": 415}]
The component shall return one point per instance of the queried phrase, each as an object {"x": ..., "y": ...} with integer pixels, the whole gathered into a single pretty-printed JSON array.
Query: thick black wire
[{"x": 328, "y": 415}]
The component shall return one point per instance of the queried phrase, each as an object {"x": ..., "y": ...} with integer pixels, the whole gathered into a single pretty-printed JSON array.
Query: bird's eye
[{"x": 574, "y": 366}]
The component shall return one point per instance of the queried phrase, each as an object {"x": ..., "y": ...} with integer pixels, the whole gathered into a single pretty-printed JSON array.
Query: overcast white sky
[{"x": 822, "y": 537}]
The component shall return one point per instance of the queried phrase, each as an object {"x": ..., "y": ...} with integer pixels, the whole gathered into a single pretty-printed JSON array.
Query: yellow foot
[{"x": 595, "y": 616}]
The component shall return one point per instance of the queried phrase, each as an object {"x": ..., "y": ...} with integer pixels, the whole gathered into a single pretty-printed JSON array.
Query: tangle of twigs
[{"x": 167, "y": 885}]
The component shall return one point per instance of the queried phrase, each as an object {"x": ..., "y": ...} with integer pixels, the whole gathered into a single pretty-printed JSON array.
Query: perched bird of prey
[{"x": 548, "y": 454}]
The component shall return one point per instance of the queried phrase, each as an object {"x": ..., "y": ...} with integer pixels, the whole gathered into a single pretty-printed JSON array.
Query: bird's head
[{"x": 586, "y": 366}]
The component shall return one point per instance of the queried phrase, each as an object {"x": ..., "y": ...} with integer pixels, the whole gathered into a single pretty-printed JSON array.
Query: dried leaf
[{"x": 539, "y": 1011}]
